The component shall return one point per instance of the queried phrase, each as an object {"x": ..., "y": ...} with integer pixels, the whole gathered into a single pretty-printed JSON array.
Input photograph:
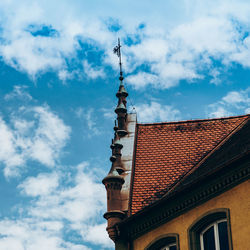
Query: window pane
[
  {"x": 169, "y": 247},
  {"x": 223, "y": 235},
  {"x": 172, "y": 248},
  {"x": 208, "y": 239}
]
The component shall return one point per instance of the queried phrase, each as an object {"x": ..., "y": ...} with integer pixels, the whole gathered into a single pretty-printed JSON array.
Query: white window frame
[
  {"x": 216, "y": 234},
  {"x": 168, "y": 246}
]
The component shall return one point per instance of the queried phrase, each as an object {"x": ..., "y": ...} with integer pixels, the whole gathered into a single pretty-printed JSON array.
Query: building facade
[{"x": 178, "y": 185}]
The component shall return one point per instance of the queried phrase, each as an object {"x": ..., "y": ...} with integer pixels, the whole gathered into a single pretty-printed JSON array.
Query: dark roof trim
[
  {"x": 191, "y": 121},
  {"x": 177, "y": 203}
]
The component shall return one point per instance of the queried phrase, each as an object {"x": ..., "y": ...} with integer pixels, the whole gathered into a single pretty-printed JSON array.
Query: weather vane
[{"x": 117, "y": 51}]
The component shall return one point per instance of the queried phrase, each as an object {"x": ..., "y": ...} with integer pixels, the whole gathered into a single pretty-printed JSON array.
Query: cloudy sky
[{"x": 182, "y": 60}]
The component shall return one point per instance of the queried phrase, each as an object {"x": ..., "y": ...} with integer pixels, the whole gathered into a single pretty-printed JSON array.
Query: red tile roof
[{"x": 165, "y": 152}]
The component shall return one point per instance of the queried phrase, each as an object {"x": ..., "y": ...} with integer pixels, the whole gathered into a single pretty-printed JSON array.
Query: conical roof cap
[
  {"x": 122, "y": 91},
  {"x": 121, "y": 108}
]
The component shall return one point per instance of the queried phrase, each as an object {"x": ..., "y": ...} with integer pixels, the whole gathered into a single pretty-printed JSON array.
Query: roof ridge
[{"x": 195, "y": 120}]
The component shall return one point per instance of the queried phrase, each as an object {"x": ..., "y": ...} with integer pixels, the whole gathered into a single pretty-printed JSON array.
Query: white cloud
[
  {"x": 36, "y": 40},
  {"x": 92, "y": 72},
  {"x": 168, "y": 49},
  {"x": 142, "y": 79},
  {"x": 215, "y": 73},
  {"x": 89, "y": 118},
  {"x": 20, "y": 93},
  {"x": 32, "y": 133},
  {"x": 25, "y": 51},
  {"x": 100, "y": 230},
  {"x": 155, "y": 112},
  {"x": 235, "y": 97},
  {"x": 217, "y": 111},
  {"x": 247, "y": 111},
  {"x": 109, "y": 113},
  {"x": 70, "y": 203},
  {"x": 74, "y": 207},
  {"x": 151, "y": 49},
  {"x": 32, "y": 234},
  {"x": 232, "y": 103},
  {"x": 204, "y": 34},
  {"x": 64, "y": 75},
  {"x": 23, "y": 126},
  {"x": 8, "y": 151},
  {"x": 79, "y": 112},
  {"x": 43, "y": 184},
  {"x": 189, "y": 48}
]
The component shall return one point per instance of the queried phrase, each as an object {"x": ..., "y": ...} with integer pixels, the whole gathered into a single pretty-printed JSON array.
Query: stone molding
[{"x": 167, "y": 209}]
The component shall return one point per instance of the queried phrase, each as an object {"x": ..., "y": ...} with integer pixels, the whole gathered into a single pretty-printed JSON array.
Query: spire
[
  {"x": 121, "y": 109},
  {"x": 113, "y": 183},
  {"x": 115, "y": 179},
  {"x": 117, "y": 50}
]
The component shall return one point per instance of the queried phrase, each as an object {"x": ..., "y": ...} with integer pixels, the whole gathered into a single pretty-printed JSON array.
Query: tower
[
  {"x": 117, "y": 182},
  {"x": 187, "y": 180}
]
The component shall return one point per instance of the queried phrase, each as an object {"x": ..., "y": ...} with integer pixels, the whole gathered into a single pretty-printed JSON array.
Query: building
[{"x": 178, "y": 185}]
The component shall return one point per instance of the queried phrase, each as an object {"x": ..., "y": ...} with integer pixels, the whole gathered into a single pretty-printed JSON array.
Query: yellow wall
[{"x": 236, "y": 199}]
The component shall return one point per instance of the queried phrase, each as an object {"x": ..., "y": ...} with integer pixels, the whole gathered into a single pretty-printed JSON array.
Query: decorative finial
[{"x": 117, "y": 51}]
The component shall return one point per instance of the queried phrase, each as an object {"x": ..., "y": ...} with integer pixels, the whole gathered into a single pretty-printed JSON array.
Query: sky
[{"x": 182, "y": 60}]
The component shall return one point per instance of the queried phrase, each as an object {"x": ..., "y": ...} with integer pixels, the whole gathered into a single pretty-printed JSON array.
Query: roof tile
[{"x": 165, "y": 152}]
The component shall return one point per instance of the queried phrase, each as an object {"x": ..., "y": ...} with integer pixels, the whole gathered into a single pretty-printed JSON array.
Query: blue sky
[{"x": 182, "y": 60}]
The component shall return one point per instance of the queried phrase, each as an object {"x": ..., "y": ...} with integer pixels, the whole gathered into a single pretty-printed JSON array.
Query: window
[
  {"x": 215, "y": 236},
  {"x": 165, "y": 242},
  {"x": 211, "y": 231},
  {"x": 169, "y": 247}
]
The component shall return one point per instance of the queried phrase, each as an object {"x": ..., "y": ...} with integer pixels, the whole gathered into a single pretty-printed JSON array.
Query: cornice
[{"x": 192, "y": 196}]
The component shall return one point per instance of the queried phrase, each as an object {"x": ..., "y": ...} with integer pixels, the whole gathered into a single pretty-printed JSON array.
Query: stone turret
[
  {"x": 113, "y": 181},
  {"x": 121, "y": 109},
  {"x": 117, "y": 182}
]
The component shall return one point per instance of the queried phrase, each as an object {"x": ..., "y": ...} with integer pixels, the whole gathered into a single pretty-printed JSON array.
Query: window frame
[
  {"x": 165, "y": 239},
  {"x": 168, "y": 246},
  {"x": 203, "y": 222},
  {"x": 216, "y": 233}
]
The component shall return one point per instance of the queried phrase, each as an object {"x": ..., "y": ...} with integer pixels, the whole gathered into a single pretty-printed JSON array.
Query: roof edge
[
  {"x": 244, "y": 174},
  {"x": 195, "y": 120},
  {"x": 174, "y": 193},
  {"x": 132, "y": 173}
]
